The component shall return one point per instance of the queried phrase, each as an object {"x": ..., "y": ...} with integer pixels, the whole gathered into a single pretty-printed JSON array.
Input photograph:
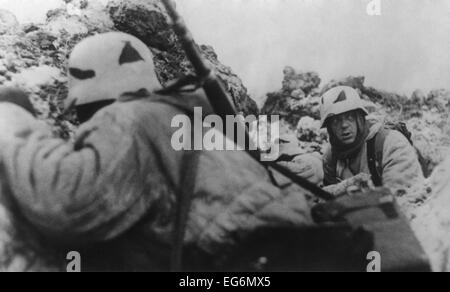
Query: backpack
[{"x": 375, "y": 147}]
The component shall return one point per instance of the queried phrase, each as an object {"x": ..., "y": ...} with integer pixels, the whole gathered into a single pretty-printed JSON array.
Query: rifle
[{"x": 220, "y": 100}]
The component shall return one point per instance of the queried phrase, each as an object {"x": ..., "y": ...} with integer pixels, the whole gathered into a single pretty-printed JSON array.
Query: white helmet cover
[
  {"x": 339, "y": 100},
  {"x": 105, "y": 66}
]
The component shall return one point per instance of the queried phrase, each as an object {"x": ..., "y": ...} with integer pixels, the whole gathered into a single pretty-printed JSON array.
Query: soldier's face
[{"x": 345, "y": 127}]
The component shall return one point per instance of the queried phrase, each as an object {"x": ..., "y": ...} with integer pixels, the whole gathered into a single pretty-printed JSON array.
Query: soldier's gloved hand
[
  {"x": 307, "y": 166},
  {"x": 18, "y": 97}
]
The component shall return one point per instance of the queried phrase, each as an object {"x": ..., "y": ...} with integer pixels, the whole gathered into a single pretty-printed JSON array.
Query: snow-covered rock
[
  {"x": 35, "y": 77},
  {"x": 8, "y": 22}
]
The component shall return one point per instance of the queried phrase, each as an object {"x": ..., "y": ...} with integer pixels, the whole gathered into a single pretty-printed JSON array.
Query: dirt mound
[{"x": 298, "y": 97}]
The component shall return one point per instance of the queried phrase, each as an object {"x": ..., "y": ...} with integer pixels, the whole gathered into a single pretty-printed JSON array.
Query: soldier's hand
[
  {"x": 360, "y": 182},
  {"x": 18, "y": 97},
  {"x": 307, "y": 166}
]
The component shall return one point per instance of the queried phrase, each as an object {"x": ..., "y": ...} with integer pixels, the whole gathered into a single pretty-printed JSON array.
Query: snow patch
[{"x": 35, "y": 77}]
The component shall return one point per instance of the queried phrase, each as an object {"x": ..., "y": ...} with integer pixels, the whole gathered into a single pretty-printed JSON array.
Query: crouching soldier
[
  {"x": 121, "y": 182},
  {"x": 358, "y": 147}
]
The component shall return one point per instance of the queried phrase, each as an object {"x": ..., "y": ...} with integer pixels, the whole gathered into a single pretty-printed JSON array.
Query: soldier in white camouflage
[{"x": 120, "y": 179}]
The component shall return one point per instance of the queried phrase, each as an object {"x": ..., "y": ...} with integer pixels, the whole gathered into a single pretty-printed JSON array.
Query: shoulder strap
[
  {"x": 375, "y": 147},
  {"x": 186, "y": 187},
  {"x": 184, "y": 193},
  {"x": 330, "y": 163}
]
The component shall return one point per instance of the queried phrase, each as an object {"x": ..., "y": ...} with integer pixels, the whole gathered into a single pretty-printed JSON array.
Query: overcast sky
[{"x": 405, "y": 48}]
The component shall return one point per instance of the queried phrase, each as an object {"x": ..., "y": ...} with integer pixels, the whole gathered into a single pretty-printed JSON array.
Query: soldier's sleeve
[
  {"x": 329, "y": 168},
  {"x": 308, "y": 166},
  {"x": 90, "y": 190},
  {"x": 401, "y": 168}
]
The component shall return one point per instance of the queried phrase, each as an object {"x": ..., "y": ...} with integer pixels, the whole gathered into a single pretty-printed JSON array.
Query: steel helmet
[
  {"x": 339, "y": 100},
  {"x": 106, "y": 66}
]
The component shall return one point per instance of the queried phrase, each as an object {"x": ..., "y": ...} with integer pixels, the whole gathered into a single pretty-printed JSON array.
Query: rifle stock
[{"x": 220, "y": 99}]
